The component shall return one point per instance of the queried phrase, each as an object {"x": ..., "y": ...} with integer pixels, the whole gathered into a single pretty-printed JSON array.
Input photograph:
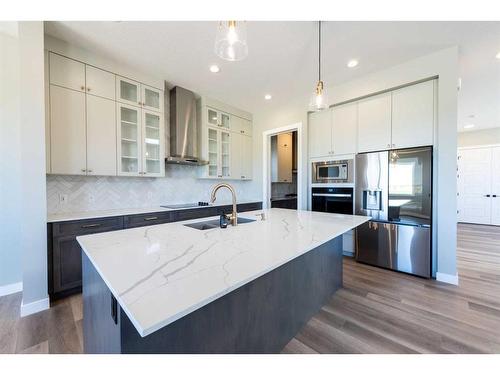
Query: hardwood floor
[{"x": 377, "y": 311}]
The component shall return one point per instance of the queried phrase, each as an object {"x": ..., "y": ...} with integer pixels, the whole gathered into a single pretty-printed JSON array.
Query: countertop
[
  {"x": 67, "y": 216},
  {"x": 163, "y": 272}
]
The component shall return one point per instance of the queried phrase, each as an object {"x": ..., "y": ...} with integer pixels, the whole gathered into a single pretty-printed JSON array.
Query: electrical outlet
[{"x": 63, "y": 198}]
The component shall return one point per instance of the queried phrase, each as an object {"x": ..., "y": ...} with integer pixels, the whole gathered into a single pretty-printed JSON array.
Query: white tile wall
[{"x": 180, "y": 185}]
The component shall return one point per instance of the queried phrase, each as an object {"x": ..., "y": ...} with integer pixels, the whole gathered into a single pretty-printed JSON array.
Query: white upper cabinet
[
  {"x": 101, "y": 136},
  {"x": 320, "y": 133},
  {"x": 246, "y": 157},
  {"x": 374, "y": 123},
  {"x": 129, "y": 140},
  {"x": 413, "y": 115},
  {"x": 226, "y": 142},
  {"x": 100, "y": 82},
  {"x": 344, "y": 129},
  {"x": 153, "y": 157},
  {"x": 240, "y": 125},
  {"x": 128, "y": 91},
  {"x": 66, "y": 72},
  {"x": 67, "y": 133},
  {"x": 152, "y": 99}
]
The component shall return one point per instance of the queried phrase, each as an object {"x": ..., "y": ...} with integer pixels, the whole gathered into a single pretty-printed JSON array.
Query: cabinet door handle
[
  {"x": 487, "y": 195},
  {"x": 82, "y": 87},
  {"x": 90, "y": 225},
  {"x": 494, "y": 195},
  {"x": 114, "y": 309},
  {"x": 389, "y": 145},
  {"x": 84, "y": 170},
  {"x": 242, "y": 176},
  {"x": 88, "y": 88},
  {"x": 151, "y": 218},
  {"x": 89, "y": 170}
]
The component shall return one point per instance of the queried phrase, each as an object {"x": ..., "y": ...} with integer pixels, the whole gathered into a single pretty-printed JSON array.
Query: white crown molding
[
  {"x": 34, "y": 307},
  {"x": 447, "y": 278},
  {"x": 10, "y": 289}
]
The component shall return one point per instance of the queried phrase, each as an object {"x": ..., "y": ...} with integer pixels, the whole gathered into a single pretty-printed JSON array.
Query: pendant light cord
[{"x": 319, "y": 49}]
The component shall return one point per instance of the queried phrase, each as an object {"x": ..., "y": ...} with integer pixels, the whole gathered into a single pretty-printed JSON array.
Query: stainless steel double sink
[{"x": 214, "y": 223}]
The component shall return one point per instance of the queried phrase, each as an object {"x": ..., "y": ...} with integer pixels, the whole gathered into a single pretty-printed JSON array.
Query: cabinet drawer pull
[
  {"x": 88, "y": 88},
  {"x": 151, "y": 218},
  {"x": 82, "y": 87},
  {"x": 91, "y": 225}
]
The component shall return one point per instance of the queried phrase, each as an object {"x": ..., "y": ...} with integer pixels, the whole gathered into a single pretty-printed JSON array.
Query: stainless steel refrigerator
[{"x": 395, "y": 189}]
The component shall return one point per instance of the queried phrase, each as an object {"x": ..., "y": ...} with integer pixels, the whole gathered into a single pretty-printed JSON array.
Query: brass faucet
[{"x": 234, "y": 216}]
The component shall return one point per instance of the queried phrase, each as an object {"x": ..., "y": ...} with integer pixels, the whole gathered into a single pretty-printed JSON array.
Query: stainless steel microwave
[{"x": 335, "y": 171}]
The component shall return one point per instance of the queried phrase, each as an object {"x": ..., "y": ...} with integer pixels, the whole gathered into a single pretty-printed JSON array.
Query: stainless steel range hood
[{"x": 184, "y": 128}]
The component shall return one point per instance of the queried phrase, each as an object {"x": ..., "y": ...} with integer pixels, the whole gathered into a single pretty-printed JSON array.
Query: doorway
[{"x": 282, "y": 169}]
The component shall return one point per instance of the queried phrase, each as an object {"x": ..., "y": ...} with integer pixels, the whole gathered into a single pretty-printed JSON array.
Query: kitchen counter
[
  {"x": 67, "y": 216},
  {"x": 161, "y": 273}
]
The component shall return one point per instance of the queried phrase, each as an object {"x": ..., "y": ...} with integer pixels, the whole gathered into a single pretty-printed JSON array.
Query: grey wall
[
  {"x": 479, "y": 137},
  {"x": 32, "y": 192},
  {"x": 10, "y": 179}
]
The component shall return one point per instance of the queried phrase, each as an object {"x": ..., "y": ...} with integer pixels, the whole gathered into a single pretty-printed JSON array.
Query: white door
[
  {"x": 100, "y": 82},
  {"x": 66, "y": 72},
  {"x": 246, "y": 160},
  {"x": 344, "y": 129},
  {"x": 320, "y": 133},
  {"x": 495, "y": 185},
  {"x": 129, "y": 141},
  {"x": 374, "y": 123},
  {"x": 475, "y": 185},
  {"x": 67, "y": 131},
  {"x": 101, "y": 136},
  {"x": 128, "y": 91},
  {"x": 413, "y": 115},
  {"x": 153, "y": 154},
  {"x": 152, "y": 99}
]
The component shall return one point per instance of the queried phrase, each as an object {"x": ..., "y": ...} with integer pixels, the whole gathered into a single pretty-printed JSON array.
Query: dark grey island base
[{"x": 259, "y": 317}]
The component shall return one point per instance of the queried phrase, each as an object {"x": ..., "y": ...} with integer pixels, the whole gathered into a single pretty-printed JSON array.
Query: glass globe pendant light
[
  {"x": 231, "y": 40},
  {"x": 319, "y": 100}
]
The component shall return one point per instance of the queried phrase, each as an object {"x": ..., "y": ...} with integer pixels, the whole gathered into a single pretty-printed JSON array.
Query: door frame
[{"x": 266, "y": 163}]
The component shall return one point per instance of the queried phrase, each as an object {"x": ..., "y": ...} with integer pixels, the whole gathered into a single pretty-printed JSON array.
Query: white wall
[
  {"x": 32, "y": 193},
  {"x": 479, "y": 137},
  {"x": 443, "y": 64},
  {"x": 10, "y": 179}
]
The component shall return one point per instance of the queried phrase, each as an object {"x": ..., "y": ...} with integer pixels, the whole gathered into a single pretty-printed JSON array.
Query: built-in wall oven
[
  {"x": 333, "y": 171},
  {"x": 333, "y": 199}
]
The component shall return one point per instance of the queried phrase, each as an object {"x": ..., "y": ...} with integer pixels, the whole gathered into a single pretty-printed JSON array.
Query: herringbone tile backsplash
[{"x": 180, "y": 185}]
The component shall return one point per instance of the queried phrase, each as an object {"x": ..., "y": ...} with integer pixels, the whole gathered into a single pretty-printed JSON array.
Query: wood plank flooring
[{"x": 377, "y": 311}]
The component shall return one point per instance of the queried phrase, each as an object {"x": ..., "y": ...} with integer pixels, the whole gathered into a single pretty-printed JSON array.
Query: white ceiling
[{"x": 282, "y": 57}]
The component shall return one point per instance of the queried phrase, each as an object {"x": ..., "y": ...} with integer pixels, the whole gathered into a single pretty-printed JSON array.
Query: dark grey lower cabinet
[
  {"x": 259, "y": 317},
  {"x": 64, "y": 256}
]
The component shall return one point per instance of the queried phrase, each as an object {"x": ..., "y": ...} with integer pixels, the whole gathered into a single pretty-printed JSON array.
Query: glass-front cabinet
[
  {"x": 153, "y": 154},
  {"x": 140, "y": 142},
  {"x": 152, "y": 99},
  {"x": 226, "y": 142},
  {"x": 128, "y": 91},
  {"x": 129, "y": 139},
  {"x": 218, "y": 119},
  {"x": 134, "y": 93},
  {"x": 219, "y": 153}
]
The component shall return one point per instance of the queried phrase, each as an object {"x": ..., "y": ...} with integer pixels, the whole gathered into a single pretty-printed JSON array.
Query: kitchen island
[{"x": 249, "y": 288}]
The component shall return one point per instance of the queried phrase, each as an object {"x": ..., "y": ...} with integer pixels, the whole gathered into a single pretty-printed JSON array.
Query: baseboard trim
[
  {"x": 447, "y": 278},
  {"x": 11, "y": 288},
  {"x": 34, "y": 307},
  {"x": 348, "y": 254}
]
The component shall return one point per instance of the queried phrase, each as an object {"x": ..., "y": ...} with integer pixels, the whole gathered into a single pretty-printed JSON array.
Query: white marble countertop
[
  {"x": 67, "y": 216},
  {"x": 163, "y": 272}
]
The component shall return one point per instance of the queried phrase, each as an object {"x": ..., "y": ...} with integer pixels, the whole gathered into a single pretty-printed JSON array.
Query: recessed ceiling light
[
  {"x": 352, "y": 63},
  {"x": 268, "y": 97},
  {"x": 214, "y": 69},
  {"x": 469, "y": 126},
  {"x": 498, "y": 55}
]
